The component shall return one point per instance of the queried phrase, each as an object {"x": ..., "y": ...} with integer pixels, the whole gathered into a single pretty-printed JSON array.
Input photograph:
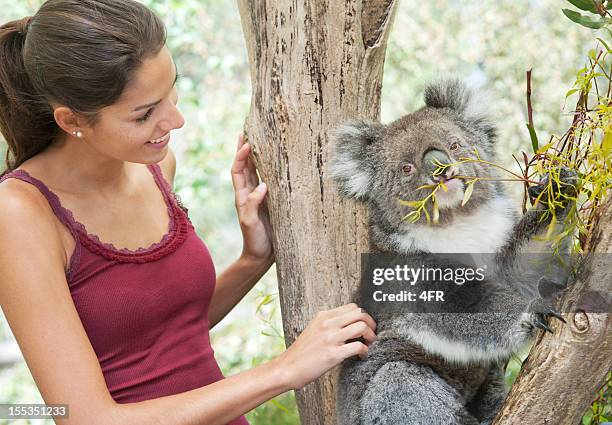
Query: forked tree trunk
[
  {"x": 314, "y": 64},
  {"x": 564, "y": 370}
]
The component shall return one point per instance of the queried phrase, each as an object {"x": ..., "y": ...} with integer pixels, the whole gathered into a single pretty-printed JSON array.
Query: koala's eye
[
  {"x": 454, "y": 146},
  {"x": 408, "y": 169}
]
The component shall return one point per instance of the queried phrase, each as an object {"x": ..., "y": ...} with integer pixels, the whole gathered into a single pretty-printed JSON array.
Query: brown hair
[{"x": 78, "y": 53}]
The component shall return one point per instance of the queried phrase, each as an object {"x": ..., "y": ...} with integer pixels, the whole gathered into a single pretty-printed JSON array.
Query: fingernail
[{"x": 261, "y": 187}]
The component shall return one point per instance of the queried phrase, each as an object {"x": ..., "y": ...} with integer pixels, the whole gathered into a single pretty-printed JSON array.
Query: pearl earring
[{"x": 78, "y": 133}]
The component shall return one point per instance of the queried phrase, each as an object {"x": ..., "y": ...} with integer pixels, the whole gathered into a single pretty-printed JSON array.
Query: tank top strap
[
  {"x": 167, "y": 191},
  {"x": 60, "y": 212}
]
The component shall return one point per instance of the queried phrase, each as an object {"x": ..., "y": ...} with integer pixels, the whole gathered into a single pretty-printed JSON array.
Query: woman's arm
[
  {"x": 214, "y": 404},
  {"x": 233, "y": 284},
  {"x": 257, "y": 253},
  {"x": 37, "y": 303}
]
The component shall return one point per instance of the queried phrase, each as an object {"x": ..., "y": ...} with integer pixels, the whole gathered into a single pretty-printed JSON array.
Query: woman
[{"x": 112, "y": 320}]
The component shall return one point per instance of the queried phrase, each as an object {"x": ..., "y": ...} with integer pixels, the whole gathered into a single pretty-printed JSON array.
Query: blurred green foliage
[{"x": 494, "y": 41}]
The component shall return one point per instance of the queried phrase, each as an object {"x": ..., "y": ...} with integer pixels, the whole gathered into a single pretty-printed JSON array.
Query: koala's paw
[
  {"x": 539, "y": 311},
  {"x": 564, "y": 189},
  {"x": 549, "y": 289}
]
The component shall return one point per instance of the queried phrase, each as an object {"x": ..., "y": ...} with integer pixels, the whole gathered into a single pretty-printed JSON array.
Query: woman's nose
[{"x": 173, "y": 121}]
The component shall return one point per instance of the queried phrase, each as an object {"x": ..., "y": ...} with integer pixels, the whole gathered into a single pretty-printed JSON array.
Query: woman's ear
[{"x": 67, "y": 120}]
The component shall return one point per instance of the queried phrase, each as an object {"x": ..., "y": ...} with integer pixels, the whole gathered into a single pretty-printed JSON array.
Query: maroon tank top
[{"x": 145, "y": 311}]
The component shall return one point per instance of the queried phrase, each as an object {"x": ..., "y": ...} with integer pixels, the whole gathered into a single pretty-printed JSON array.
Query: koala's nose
[{"x": 433, "y": 157}]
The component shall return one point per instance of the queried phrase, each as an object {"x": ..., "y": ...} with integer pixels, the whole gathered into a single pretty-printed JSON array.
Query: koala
[{"x": 442, "y": 368}]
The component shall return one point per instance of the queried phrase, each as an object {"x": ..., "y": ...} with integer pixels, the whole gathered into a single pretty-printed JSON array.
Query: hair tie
[{"x": 22, "y": 26}]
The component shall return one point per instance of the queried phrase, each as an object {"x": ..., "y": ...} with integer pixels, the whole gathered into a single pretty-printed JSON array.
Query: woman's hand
[
  {"x": 252, "y": 215},
  {"x": 322, "y": 345}
]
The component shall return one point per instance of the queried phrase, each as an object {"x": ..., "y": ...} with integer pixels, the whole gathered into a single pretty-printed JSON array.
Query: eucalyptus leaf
[
  {"x": 534, "y": 138},
  {"x": 468, "y": 193},
  {"x": 604, "y": 43},
  {"x": 586, "y": 21},
  {"x": 436, "y": 212},
  {"x": 587, "y": 5},
  {"x": 571, "y": 92}
]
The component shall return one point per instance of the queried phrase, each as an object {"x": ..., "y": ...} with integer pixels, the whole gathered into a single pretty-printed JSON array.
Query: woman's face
[{"x": 145, "y": 113}]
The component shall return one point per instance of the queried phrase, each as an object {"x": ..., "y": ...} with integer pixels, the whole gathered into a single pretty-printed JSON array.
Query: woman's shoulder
[
  {"x": 26, "y": 211},
  {"x": 18, "y": 191},
  {"x": 23, "y": 203}
]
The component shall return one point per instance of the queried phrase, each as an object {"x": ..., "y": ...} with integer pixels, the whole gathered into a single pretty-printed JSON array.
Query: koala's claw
[
  {"x": 556, "y": 314},
  {"x": 540, "y": 310},
  {"x": 539, "y": 322}
]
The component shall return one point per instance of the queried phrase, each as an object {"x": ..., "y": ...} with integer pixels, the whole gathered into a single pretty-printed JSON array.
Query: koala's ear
[
  {"x": 350, "y": 165},
  {"x": 472, "y": 104}
]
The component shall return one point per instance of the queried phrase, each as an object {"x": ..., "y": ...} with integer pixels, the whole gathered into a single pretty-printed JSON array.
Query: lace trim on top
[{"x": 177, "y": 231}]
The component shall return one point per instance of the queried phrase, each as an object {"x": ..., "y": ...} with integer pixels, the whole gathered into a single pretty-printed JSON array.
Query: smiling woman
[{"x": 108, "y": 289}]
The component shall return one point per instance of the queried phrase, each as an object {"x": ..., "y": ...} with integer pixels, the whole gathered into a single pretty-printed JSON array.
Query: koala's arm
[
  {"x": 532, "y": 234},
  {"x": 487, "y": 323},
  {"x": 490, "y": 396},
  {"x": 504, "y": 328}
]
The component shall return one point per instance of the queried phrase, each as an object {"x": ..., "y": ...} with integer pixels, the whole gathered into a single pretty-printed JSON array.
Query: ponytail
[{"x": 26, "y": 119}]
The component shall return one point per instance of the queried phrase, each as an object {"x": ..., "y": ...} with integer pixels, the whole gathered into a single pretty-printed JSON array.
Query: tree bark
[
  {"x": 314, "y": 64},
  {"x": 564, "y": 370}
]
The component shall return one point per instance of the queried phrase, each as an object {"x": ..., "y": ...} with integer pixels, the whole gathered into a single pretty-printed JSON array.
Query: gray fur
[{"x": 437, "y": 368}]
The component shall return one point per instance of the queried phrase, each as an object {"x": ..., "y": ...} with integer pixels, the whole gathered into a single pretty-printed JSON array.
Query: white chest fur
[{"x": 484, "y": 231}]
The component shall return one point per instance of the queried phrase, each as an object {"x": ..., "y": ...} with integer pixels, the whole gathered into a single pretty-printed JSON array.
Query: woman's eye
[
  {"x": 454, "y": 146},
  {"x": 146, "y": 116},
  {"x": 408, "y": 169}
]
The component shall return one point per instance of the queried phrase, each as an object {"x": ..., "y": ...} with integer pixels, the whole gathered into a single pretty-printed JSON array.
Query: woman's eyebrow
[{"x": 148, "y": 105}]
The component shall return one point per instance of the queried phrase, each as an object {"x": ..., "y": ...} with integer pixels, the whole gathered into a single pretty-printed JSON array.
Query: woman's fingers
[
  {"x": 244, "y": 173},
  {"x": 251, "y": 211},
  {"x": 239, "y": 178},
  {"x": 241, "y": 141},
  {"x": 356, "y": 330},
  {"x": 251, "y": 171},
  {"x": 344, "y": 308},
  {"x": 353, "y": 349},
  {"x": 322, "y": 345},
  {"x": 354, "y": 315}
]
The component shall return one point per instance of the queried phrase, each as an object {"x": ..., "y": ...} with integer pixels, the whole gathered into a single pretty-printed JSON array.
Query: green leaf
[
  {"x": 468, "y": 192},
  {"x": 588, "y": 5},
  {"x": 436, "y": 212},
  {"x": 592, "y": 54},
  {"x": 571, "y": 92},
  {"x": 413, "y": 204},
  {"x": 604, "y": 43},
  {"x": 606, "y": 147},
  {"x": 534, "y": 138},
  {"x": 586, "y": 21}
]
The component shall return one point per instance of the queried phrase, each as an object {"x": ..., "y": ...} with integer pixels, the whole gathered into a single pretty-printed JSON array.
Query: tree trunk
[
  {"x": 564, "y": 370},
  {"x": 314, "y": 64}
]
